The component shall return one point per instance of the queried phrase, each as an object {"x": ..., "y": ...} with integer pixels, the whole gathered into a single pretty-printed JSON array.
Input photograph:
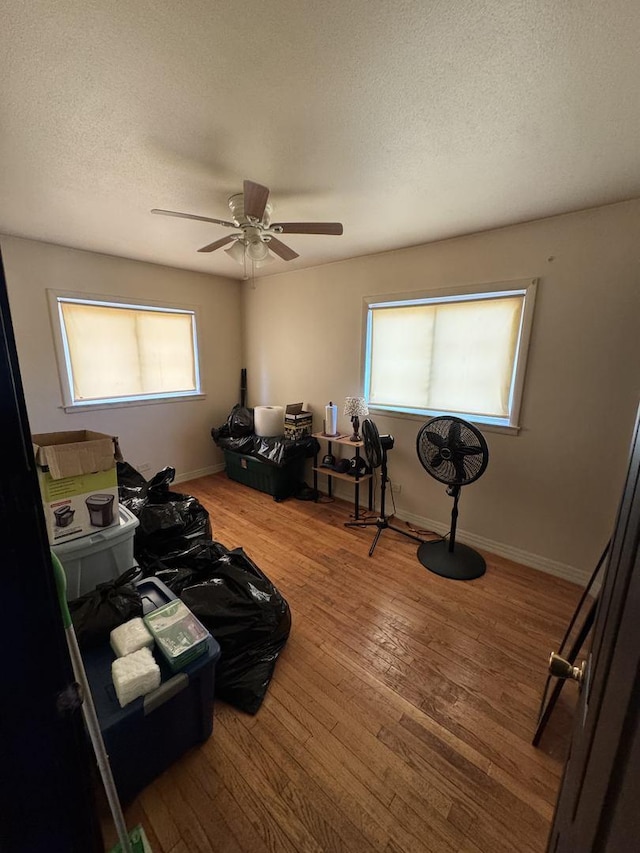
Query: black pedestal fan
[
  {"x": 375, "y": 451},
  {"x": 455, "y": 453}
]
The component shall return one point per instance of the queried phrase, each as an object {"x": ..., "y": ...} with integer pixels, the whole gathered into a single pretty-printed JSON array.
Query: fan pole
[{"x": 454, "y": 491}]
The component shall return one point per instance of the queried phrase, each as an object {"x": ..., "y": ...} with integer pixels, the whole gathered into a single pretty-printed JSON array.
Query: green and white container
[{"x": 178, "y": 634}]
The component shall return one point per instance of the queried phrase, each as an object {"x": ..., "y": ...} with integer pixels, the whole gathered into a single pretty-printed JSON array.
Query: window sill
[
  {"x": 408, "y": 416},
  {"x": 125, "y": 404}
]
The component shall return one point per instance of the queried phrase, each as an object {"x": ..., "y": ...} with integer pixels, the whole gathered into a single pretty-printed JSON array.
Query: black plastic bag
[
  {"x": 237, "y": 445},
  {"x": 239, "y": 424},
  {"x": 170, "y": 522},
  {"x": 170, "y": 528},
  {"x": 181, "y": 568},
  {"x": 248, "y": 617},
  {"x": 280, "y": 450},
  {"x": 131, "y": 483},
  {"x": 95, "y": 614},
  {"x": 132, "y": 487}
]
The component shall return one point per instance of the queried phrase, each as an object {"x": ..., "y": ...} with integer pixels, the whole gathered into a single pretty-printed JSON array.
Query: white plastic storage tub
[{"x": 98, "y": 557}]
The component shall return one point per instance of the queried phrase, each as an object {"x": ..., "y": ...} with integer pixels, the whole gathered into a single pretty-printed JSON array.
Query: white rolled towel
[
  {"x": 128, "y": 638},
  {"x": 135, "y": 675}
]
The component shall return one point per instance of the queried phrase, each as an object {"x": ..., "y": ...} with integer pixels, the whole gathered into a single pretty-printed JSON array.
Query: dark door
[
  {"x": 598, "y": 807},
  {"x": 45, "y": 784}
]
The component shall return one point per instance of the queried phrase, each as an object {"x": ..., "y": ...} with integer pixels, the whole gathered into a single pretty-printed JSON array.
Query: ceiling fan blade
[
  {"x": 282, "y": 250},
  {"x": 310, "y": 227},
  {"x": 193, "y": 216},
  {"x": 255, "y": 199},
  {"x": 217, "y": 244}
]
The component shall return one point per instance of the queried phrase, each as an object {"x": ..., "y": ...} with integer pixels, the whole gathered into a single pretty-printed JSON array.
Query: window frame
[
  {"x": 491, "y": 290},
  {"x": 63, "y": 362}
]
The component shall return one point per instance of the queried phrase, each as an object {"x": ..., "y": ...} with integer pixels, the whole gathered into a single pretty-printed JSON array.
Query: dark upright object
[
  {"x": 375, "y": 451},
  {"x": 45, "y": 783},
  {"x": 583, "y": 618},
  {"x": 454, "y": 452},
  {"x": 597, "y": 808},
  {"x": 243, "y": 387}
]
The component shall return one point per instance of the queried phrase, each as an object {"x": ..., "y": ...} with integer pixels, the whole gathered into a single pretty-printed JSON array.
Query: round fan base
[{"x": 461, "y": 564}]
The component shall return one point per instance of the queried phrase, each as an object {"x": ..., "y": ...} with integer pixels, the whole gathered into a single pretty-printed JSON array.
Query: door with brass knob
[
  {"x": 597, "y": 809},
  {"x": 562, "y": 668}
]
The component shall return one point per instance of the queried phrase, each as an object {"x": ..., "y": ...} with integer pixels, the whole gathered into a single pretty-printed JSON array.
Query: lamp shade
[
  {"x": 257, "y": 250},
  {"x": 356, "y": 407},
  {"x": 241, "y": 250},
  {"x": 265, "y": 261},
  {"x": 236, "y": 251}
]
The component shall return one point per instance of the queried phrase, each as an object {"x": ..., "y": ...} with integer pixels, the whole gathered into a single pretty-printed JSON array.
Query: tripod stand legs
[
  {"x": 381, "y": 522},
  {"x": 375, "y": 540}
]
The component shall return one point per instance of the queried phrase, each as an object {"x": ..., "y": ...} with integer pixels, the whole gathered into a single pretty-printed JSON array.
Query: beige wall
[
  {"x": 175, "y": 434},
  {"x": 549, "y": 494}
]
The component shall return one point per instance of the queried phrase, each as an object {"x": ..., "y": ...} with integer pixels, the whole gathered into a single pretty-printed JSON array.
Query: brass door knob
[{"x": 561, "y": 668}]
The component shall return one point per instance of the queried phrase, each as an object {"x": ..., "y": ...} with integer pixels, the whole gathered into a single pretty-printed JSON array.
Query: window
[
  {"x": 459, "y": 353},
  {"x": 116, "y": 352}
]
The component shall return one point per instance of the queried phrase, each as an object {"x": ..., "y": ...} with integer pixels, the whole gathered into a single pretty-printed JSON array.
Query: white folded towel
[
  {"x": 135, "y": 675},
  {"x": 128, "y": 638}
]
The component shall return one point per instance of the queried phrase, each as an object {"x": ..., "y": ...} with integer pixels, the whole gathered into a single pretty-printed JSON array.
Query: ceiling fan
[{"x": 251, "y": 214}]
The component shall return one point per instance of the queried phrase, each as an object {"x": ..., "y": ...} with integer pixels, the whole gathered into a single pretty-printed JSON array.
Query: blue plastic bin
[{"x": 148, "y": 735}]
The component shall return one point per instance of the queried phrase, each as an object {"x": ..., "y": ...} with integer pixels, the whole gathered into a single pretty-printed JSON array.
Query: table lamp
[{"x": 355, "y": 408}]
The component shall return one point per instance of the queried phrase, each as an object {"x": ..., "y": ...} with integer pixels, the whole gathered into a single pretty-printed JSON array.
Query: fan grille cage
[
  {"x": 453, "y": 451},
  {"x": 372, "y": 443}
]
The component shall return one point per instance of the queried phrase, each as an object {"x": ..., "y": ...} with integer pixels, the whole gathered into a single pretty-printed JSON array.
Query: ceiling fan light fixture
[
  {"x": 257, "y": 250},
  {"x": 265, "y": 261},
  {"x": 236, "y": 252}
]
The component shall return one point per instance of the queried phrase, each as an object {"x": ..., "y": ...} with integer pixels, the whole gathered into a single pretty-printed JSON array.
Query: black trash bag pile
[
  {"x": 132, "y": 487},
  {"x": 95, "y": 614},
  {"x": 171, "y": 523},
  {"x": 280, "y": 450},
  {"x": 237, "y": 434},
  {"x": 243, "y": 610},
  {"x": 230, "y": 595}
]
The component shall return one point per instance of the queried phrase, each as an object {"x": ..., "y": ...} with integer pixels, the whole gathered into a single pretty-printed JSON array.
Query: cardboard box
[
  {"x": 78, "y": 482},
  {"x": 297, "y": 422}
]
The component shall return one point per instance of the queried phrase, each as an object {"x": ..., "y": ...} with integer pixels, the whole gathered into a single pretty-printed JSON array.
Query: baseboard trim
[
  {"x": 201, "y": 472},
  {"x": 526, "y": 558}
]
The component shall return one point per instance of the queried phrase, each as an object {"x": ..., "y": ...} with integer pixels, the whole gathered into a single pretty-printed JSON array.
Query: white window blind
[
  {"x": 115, "y": 352},
  {"x": 454, "y": 355}
]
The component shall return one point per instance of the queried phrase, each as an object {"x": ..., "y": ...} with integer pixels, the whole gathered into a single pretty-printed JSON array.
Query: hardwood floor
[{"x": 401, "y": 711}]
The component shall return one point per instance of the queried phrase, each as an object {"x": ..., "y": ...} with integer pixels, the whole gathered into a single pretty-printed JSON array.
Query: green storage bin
[{"x": 281, "y": 482}]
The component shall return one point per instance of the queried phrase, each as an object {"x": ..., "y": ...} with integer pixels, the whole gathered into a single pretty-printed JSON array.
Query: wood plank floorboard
[{"x": 401, "y": 712}]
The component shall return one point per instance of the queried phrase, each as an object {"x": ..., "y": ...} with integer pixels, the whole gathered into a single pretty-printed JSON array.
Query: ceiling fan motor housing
[{"x": 236, "y": 206}]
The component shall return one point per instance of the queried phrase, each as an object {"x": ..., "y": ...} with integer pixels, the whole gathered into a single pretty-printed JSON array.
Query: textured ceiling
[{"x": 408, "y": 121}]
